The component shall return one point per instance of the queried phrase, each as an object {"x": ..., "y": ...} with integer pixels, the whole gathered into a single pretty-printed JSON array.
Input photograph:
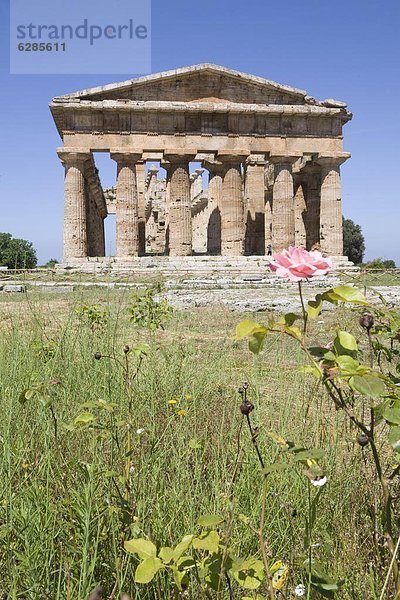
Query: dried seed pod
[
  {"x": 246, "y": 407},
  {"x": 97, "y": 355},
  {"x": 126, "y": 349},
  {"x": 367, "y": 321},
  {"x": 363, "y": 440}
]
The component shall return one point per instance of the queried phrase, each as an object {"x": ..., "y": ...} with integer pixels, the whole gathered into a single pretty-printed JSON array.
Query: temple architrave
[{"x": 271, "y": 155}]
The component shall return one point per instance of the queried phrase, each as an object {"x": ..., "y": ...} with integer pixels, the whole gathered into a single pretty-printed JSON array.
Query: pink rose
[{"x": 296, "y": 264}]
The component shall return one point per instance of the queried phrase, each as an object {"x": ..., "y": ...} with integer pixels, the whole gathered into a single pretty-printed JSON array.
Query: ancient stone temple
[{"x": 267, "y": 169}]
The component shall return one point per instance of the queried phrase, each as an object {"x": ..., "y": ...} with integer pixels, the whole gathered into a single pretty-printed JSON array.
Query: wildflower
[
  {"x": 188, "y": 397},
  {"x": 300, "y": 590},
  {"x": 296, "y": 264},
  {"x": 140, "y": 431},
  {"x": 182, "y": 412},
  {"x": 172, "y": 402},
  {"x": 279, "y": 572},
  {"x": 319, "y": 481}
]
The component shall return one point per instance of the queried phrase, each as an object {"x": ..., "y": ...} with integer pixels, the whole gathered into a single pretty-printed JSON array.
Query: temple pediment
[{"x": 199, "y": 83}]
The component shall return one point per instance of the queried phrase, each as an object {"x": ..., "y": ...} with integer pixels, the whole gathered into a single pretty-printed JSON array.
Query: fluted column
[
  {"x": 94, "y": 225},
  {"x": 232, "y": 210},
  {"x": 214, "y": 208},
  {"x": 312, "y": 175},
  {"x": 255, "y": 204},
  {"x": 283, "y": 223},
  {"x": 127, "y": 205},
  {"x": 179, "y": 209},
  {"x": 331, "y": 225},
  {"x": 140, "y": 183},
  {"x": 196, "y": 183},
  {"x": 300, "y": 216},
  {"x": 75, "y": 204}
]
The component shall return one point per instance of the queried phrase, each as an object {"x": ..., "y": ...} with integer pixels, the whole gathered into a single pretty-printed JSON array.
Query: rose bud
[
  {"x": 363, "y": 440},
  {"x": 97, "y": 355},
  {"x": 246, "y": 407},
  {"x": 367, "y": 321}
]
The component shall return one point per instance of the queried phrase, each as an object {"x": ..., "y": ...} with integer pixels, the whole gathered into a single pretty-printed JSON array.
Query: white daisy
[
  {"x": 319, "y": 482},
  {"x": 300, "y": 590}
]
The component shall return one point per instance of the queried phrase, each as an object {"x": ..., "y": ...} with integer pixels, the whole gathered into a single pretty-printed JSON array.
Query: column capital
[
  {"x": 256, "y": 159},
  {"x": 284, "y": 159},
  {"x": 178, "y": 157},
  {"x": 213, "y": 166},
  {"x": 126, "y": 158},
  {"x": 332, "y": 160},
  {"x": 311, "y": 168},
  {"x": 232, "y": 156},
  {"x": 68, "y": 157}
]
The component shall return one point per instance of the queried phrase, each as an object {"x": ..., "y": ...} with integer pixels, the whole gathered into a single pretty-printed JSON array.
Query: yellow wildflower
[
  {"x": 188, "y": 397},
  {"x": 182, "y": 412},
  {"x": 172, "y": 402}
]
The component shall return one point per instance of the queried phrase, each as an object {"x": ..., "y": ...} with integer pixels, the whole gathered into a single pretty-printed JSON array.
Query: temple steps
[{"x": 247, "y": 268}]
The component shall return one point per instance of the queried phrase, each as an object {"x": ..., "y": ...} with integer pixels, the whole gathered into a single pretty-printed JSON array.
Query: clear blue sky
[{"x": 348, "y": 50}]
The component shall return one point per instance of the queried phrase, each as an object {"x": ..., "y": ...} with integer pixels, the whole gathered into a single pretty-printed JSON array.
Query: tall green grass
[{"x": 61, "y": 511}]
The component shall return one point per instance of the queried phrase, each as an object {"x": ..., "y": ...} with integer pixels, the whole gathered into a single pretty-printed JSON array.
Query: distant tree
[
  {"x": 51, "y": 263},
  {"x": 16, "y": 253},
  {"x": 380, "y": 263},
  {"x": 353, "y": 241}
]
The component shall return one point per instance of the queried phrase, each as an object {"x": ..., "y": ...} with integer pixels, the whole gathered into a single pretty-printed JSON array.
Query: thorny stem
[
  {"x": 261, "y": 540},
  {"x": 387, "y": 506},
  {"x": 305, "y": 314},
  {"x": 309, "y": 543},
  {"x": 254, "y": 440},
  {"x": 228, "y": 581},
  {"x": 260, "y": 531},
  {"x": 387, "y": 497},
  {"x": 371, "y": 349},
  {"x": 230, "y": 524}
]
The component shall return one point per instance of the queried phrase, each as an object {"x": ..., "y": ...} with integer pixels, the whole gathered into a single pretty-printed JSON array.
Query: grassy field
[{"x": 63, "y": 508}]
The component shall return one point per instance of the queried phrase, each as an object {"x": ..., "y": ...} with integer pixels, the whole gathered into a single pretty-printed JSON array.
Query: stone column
[
  {"x": 179, "y": 209},
  {"x": 140, "y": 169},
  {"x": 75, "y": 200},
  {"x": 196, "y": 183},
  {"x": 232, "y": 213},
  {"x": 312, "y": 178},
  {"x": 269, "y": 178},
  {"x": 331, "y": 225},
  {"x": 300, "y": 216},
  {"x": 94, "y": 224},
  {"x": 283, "y": 224},
  {"x": 255, "y": 204},
  {"x": 127, "y": 205},
  {"x": 214, "y": 208}
]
